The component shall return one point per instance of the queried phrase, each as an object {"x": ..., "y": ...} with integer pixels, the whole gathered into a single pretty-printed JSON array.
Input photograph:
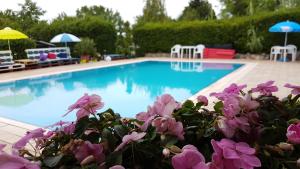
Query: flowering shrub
[{"x": 242, "y": 131}]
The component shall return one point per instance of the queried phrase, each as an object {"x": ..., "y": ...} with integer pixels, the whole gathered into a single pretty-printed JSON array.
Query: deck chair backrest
[
  {"x": 35, "y": 53},
  {"x": 6, "y": 57}
]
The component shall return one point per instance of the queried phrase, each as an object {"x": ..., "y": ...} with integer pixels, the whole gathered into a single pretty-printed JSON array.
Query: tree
[
  {"x": 242, "y": 7},
  {"x": 102, "y": 12},
  {"x": 198, "y": 10},
  {"x": 124, "y": 37},
  {"x": 29, "y": 14},
  {"x": 9, "y": 14},
  {"x": 154, "y": 11}
]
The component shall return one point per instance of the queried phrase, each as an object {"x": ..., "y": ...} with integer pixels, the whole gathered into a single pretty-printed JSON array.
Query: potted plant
[{"x": 86, "y": 49}]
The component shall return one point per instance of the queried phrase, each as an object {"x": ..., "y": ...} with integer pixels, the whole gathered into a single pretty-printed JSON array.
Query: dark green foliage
[
  {"x": 158, "y": 37},
  {"x": 85, "y": 47},
  {"x": 198, "y": 10},
  {"x": 154, "y": 11}
]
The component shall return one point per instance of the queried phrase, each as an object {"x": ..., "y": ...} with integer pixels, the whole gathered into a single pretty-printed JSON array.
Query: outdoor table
[{"x": 189, "y": 49}]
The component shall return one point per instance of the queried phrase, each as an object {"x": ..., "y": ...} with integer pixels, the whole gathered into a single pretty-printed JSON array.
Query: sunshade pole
[
  {"x": 66, "y": 44},
  {"x": 8, "y": 44},
  {"x": 285, "y": 41}
]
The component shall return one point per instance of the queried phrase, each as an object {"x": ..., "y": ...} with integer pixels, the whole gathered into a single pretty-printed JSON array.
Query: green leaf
[
  {"x": 81, "y": 126},
  {"x": 188, "y": 104},
  {"x": 52, "y": 161},
  {"x": 110, "y": 138},
  {"x": 219, "y": 107},
  {"x": 121, "y": 130},
  {"x": 209, "y": 132},
  {"x": 115, "y": 158}
]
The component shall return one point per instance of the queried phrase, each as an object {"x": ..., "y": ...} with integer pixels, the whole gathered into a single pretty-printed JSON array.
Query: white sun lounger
[{"x": 7, "y": 63}]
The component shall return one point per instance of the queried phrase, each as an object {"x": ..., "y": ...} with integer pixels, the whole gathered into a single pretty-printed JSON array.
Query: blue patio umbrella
[
  {"x": 65, "y": 38},
  {"x": 285, "y": 27}
]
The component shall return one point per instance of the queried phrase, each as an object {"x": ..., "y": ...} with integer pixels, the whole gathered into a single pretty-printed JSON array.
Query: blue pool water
[{"x": 128, "y": 89}]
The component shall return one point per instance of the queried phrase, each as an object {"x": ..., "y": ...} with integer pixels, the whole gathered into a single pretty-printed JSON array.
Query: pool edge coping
[{"x": 247, "y": 66}]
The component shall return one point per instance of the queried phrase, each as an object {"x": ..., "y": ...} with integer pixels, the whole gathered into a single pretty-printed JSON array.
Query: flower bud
[
  {"x": 166, "y": 152},
  {"x": 286, "y": 146},
  {"x": 162, "y": 137}
]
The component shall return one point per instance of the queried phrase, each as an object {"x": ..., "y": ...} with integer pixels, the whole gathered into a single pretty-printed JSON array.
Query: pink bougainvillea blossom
[
  {"x": 87, "y": 149},
  {"x": 231, "y": 155},
  {"x": 229, "y": 126},
  {"x": 232, "y": 90},
  {"x": 296, "y": 89},
  {"x": 164, "y": 106},
  {"x": 265, "y": 88},
  {"x": 203, "y": 100},
  {"x": 133, "y": 137},
  {"x": 86, "y": 105},
  {"x": 2, "y": 146},
  {"x": 168, "y": 125},
  {"x": 189, "y": 158},
  {"x": 231, "y": 106},
  {"x": 293, "y": 133},
  {"x": 69, "y": 128},
  {"x": 247, "y": 104},
  {"x": 15, "y": 162},
  {"x": 34, "y": 134}
]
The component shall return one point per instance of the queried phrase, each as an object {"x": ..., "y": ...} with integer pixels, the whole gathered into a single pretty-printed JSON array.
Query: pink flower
[
  {"x": 296, "y": 89},
  {"x": 203, "y": 100},
  {"x": 229, "y": 126},
  {"x": 86, "y": 105},
  {"x": 164, "y": 106},
  {"x": 117, "y": 167},
  {"x": 232, "y": 90},
  {"x": 293, "y": 133},
  {"x": 189, "y": 158},
  {"x": 57, "y": 124},
  {"x": 168, "y": 125},
  {"x": 2, "y": 146},
  {"x": 146, "y": 117},
  {"x": 227, "y": 129},
  {"x": 248, "y": 104},
  {"x": 87, "y": 149},
  {"x": 69, "y": 129},
  {"x": 15, "y": 162},
  {"x": 231, "y": 106},
  {"x": 231, "y": 155},
  {"x": 133, "y": 137},
  {"x": 265, "y": 88},
  {"x": 34, "y": 134}
]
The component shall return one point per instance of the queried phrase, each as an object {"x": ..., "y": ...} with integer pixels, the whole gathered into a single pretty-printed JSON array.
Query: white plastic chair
[
  {"x": 275, "y": 51},
  {"x": 176, "y": 51},
  {"x": 292, "y": 49},
  {"x": 199, "y": 49}
]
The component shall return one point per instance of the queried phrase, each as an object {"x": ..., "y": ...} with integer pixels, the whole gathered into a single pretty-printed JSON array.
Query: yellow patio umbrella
[{"x": 10, "y": 34}]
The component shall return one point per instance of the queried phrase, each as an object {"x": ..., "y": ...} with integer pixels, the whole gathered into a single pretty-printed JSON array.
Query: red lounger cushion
[
  {"x": 212, "y": 53},
  {"x": 51, "y": 56}
]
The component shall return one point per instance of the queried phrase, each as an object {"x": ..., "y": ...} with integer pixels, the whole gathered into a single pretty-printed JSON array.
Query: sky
[{"x": 128, "y": 9}]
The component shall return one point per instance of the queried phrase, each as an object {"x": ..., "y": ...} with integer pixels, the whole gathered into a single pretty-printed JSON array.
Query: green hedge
[
  {"x": 103, "y": 33},
  {"x": 160, "y": 37}
]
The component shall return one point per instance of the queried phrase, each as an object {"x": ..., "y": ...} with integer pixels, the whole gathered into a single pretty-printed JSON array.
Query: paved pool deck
[{"x": 252, "y": 73}]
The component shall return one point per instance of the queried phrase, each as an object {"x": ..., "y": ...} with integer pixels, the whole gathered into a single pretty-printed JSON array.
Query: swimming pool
[{"x": 127, "y": 89}]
